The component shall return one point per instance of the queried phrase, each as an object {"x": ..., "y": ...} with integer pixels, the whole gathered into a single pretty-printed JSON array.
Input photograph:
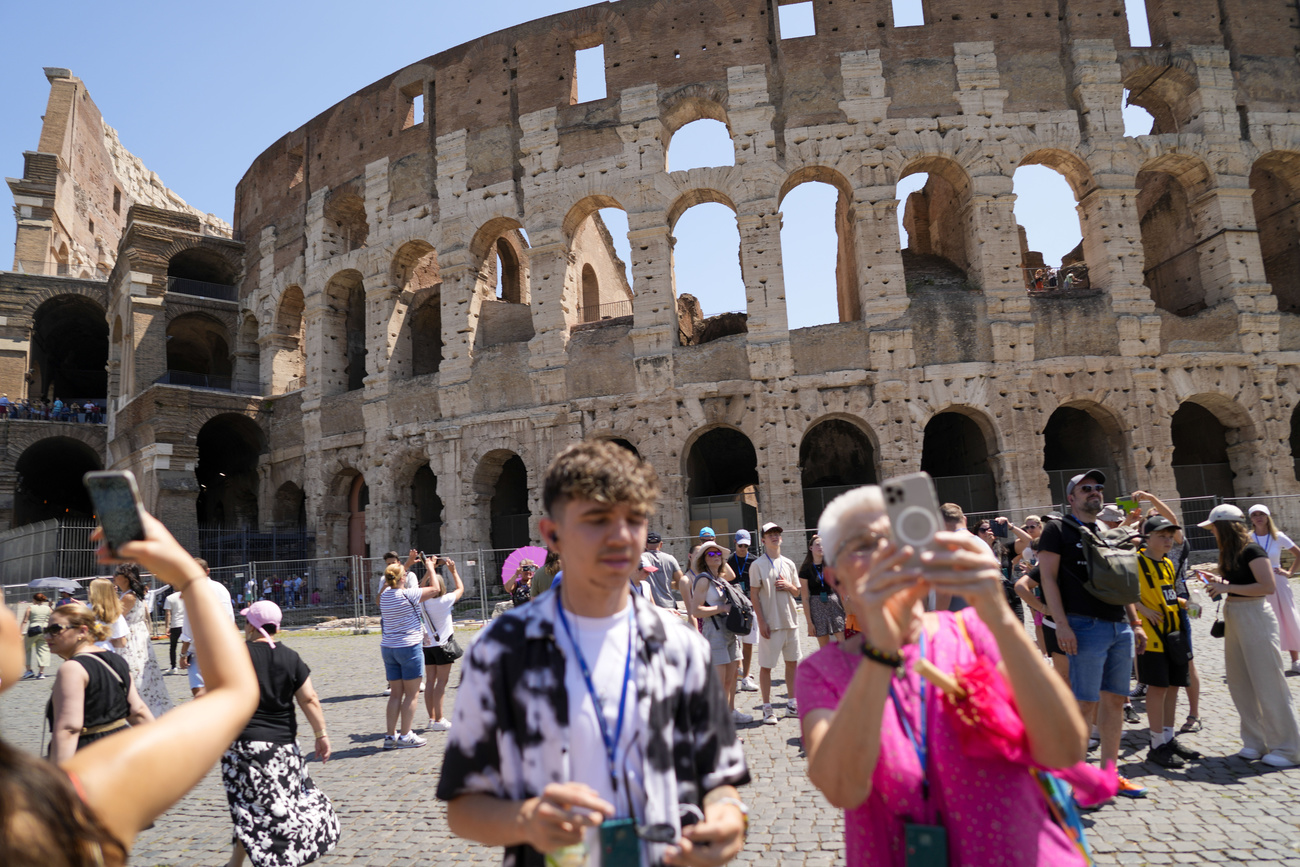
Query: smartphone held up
[{"x": 118, "y": 508}]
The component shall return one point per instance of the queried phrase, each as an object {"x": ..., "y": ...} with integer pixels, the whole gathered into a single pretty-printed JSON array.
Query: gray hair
[{"x": 831, "y": 525}]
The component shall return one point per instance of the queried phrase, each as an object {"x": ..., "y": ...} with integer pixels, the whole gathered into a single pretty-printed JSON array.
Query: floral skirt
[
  {"x": 828, "y": 616},
  {"x": 280, "y": 816}
]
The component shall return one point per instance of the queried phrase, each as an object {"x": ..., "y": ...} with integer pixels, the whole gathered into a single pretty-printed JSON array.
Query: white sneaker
[
  {"x": 741, "y": 718},
  {"x": 390, "y": 742},
  {"x": 421, "y": 686},
  {"x": 1294, "y": 669},
  {"x": 792, "y": 708},
  {"x": 769, "y": 715},
  {"x": 442, "y": 725},
  {"x": 388, "y": 690},
  {"x": 747, "y": 684},
  {"x": 1277, "y": 760},
  {"x": 1248, "y": 754},
  {"x": 410, "y": 739}
]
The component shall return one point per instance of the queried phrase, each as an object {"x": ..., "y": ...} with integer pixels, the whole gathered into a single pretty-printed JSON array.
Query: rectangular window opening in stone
[
  {"x": 796, "y": 20},
  {"x": 1139, "y": 33},
  {"x": 588, "y": 74},
  {"x": 414, "y": 111},
  {"x": 295, "y": 167},
  {"x": 117, "y": 201},
  {"x": 910, "y": 13}
]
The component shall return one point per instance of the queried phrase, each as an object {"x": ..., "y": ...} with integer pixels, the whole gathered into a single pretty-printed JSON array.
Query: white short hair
[{"x": 831, "y": 525}]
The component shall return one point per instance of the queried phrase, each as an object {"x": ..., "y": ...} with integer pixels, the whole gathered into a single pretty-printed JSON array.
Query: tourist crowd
[
  {"x": 36, "y": 409},
  {"x": 596, "y": 719}
]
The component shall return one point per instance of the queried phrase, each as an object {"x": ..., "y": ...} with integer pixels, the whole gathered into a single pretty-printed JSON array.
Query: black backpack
[
  {"x": 1112, "y": 557},
  {"x": 740, "y": 619}
]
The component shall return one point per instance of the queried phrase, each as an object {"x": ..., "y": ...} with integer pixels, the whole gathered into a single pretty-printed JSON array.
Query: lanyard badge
[{"x": 926, "y": 845}]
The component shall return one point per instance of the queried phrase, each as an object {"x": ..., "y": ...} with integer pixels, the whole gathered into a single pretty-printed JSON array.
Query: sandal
[{"x": 1193, "y": 724}]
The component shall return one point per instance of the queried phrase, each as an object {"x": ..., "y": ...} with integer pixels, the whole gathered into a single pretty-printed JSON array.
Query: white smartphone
[
  {"x": 913, "y": 509},
  {"x": 118, "y": 509}
]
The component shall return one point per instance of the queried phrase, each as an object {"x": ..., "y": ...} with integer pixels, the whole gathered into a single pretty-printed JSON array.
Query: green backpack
[{"x": 1114, "y": 576}]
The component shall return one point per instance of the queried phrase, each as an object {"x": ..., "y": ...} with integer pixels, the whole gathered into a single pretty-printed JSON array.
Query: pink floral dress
[{"x": 993, "y": 810}]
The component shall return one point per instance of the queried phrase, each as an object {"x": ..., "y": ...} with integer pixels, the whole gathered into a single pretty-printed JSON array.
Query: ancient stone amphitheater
[{"x": 429, "y": 306}]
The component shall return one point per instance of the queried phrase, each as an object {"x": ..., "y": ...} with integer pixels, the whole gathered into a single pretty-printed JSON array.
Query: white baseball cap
[
  {"x": 1223, "y": 512},
  {"x": 1259, "y": 507}
]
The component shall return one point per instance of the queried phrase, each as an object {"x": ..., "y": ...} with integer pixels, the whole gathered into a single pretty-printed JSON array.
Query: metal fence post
[{"x": 482, "y": 588}]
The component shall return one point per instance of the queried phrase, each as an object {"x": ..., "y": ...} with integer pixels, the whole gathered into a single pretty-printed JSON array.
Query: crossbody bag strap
[
  {"x": 110, "y": 668},
  {"x": 424, "y": 619}
]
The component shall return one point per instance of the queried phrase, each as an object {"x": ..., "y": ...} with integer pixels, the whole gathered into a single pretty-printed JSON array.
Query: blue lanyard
[
  {"x": 611, "y": 743},
  {"x": 922, "y": 748}
]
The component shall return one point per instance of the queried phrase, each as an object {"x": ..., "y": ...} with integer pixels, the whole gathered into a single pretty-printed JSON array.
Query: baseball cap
[
  {"x": 1112, "y": 514},
  {"x": 772, "y": 527},
  {"x": 1156, "y": 523},
  {"x": 648, "y": 563},
  {"x": 65, "y": 592},
  {"x": 262, "y": 612},
  {"x": 1223, "y": 512},
  {"x": 707, "y": 532},
  {"x": 1259, "y": 507},
  {"x": 653, "y": 538},
  {"x": 1096, "y": 474},
  {"x": 742, "y": 537}
]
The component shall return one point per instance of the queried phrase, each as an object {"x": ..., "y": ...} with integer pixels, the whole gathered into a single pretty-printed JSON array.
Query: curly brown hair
[{"x": 601, "y": 471}]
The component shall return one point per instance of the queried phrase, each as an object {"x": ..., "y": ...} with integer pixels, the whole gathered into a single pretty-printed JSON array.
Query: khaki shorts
[
  {"x": 784, "y": 642},
  {"x": 752, "y": 637}
]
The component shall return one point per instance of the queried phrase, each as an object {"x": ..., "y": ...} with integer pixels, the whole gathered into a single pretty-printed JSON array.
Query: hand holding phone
[
  {"x": 118, "y": 509},
  {"x": 913, "y": 510}
]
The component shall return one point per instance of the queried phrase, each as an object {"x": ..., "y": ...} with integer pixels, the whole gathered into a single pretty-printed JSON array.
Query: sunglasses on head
[{"x": 1088, "y": 489}]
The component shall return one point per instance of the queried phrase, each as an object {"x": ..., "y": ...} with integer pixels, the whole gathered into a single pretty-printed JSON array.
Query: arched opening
[
  {"x": 508, "y": 505},
  {"x": 1051, "y": 238},
  {"x": 835, "y": 456},
  {"x": 957, "y": 454},
  {"x": 701, "y": 144},
  {"x": 201, "y": 272},
  {"x": 1275, "y": 182},
  {"x": 198, "y": 352},
  {"x": 624, "y": 444},
  {"x": 590, "y": 309},
  {"x": 509, "y": 273},
  {"x": 417, "y": 349},
  {"x": 1202, "y": 467},
  {"x": 505, "y": 316},
  {"x": 1172, "y": 263},
  {"x": 358, "y": 499},
  {"x": 48, "y": 484},
  {"x": 1168, "y": 94},
  {"x": 69, "y": 350},
  {"x": 818, "y": 256},
  {"x": 289, "y": 511},
  {"x": 229, "y": 448},
  {"x": 1137, "y": 120},
  {"x": 711, "y": 299},
  {"x": 1074, "y": 442},
  {"x": 428, "y": 510},
  {"x": 289, "y": 364},
  {"x": 346, "y": 228},
  {"x": 343, "y": 366},
  {"x": 934, "y": 225},
  {"x": 722, "y": 482},
  {"x": 600, "y": 279}
]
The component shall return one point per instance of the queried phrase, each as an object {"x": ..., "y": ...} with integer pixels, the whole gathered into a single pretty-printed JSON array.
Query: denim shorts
[
  {"x": 403, "y": 663},
  {"x": 1105, "y": 658}
]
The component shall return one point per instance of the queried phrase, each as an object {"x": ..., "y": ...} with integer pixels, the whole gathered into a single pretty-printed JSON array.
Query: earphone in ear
[{"x": 555, "y": 537}]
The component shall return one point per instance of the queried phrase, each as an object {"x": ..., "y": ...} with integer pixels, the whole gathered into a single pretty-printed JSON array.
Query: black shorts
[
  {"x": 1049, "y": 640},
  {"x": 1159, "y": 670},
  {"x": 438, "y": 656}
]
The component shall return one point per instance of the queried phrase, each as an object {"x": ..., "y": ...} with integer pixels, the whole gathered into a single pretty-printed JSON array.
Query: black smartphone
[
  {"x": 118, "y": 509},
  {"x": 1000, "y": 529}
]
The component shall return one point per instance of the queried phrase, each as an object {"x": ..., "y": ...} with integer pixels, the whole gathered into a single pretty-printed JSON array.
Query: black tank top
[{"x": 105, "y": 696}]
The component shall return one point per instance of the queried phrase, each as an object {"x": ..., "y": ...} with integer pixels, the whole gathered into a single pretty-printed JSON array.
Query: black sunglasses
[{"x": 54, "y": 628}]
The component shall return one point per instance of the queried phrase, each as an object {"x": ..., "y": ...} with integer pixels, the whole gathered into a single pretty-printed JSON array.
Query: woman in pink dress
[
  {"x": 1265, "y": 534},
  {"x": 879, "y": 744}
]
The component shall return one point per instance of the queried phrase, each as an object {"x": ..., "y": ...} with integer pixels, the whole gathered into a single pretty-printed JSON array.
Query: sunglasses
[
  {"x": 1088, "y": 489},
  {"x": 54, "y": 628},
  {"x": 985, "y": 529},
  {"x": 1032, "y": 526},
  {"x": 714, "y": 554}
]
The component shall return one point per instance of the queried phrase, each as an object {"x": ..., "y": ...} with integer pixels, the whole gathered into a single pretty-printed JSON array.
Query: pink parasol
[{"x": 535, "y": 553}]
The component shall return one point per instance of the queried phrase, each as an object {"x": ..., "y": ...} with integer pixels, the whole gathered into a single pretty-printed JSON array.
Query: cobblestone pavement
[{"x": 1221, "y": 810}]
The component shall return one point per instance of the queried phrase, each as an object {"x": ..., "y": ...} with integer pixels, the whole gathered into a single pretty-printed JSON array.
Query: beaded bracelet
[{"x": 889, "y": 660}]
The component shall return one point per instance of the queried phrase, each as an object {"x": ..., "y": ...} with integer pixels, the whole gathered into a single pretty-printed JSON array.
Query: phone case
[{"x": 913, "y": 510}]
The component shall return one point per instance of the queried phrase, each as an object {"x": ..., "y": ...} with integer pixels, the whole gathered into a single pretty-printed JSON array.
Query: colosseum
[{"x": 417, "y": 302}]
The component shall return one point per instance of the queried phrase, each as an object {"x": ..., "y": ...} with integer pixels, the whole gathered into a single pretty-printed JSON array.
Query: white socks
[
  {"x": 1158, "y": 739},
  {"x": 1169, "y": 733}
]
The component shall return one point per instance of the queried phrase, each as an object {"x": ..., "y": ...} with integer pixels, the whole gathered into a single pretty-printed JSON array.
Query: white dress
[
  {"x": 1288, "y": 619},
  {"x": 144, "y": 667}
]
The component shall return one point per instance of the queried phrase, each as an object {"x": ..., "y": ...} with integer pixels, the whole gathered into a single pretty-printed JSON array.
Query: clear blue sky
[{"x": 197, "y": 92}]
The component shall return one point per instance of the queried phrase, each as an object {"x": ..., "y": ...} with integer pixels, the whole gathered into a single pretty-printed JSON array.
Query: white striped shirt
[{"x": 401, "y": 616}]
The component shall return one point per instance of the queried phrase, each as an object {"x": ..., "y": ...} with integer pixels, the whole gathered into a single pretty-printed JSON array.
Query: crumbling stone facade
[{"x": 374, "y": 240}]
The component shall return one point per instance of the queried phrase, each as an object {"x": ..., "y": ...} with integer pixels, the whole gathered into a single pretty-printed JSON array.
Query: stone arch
[
  {"x": 1080, "y": 435},
  {"x": 690, "y": 198},
  {"x": 199, "y": 351},
  {"x": 500, "y": 494},
  {"x": 847, "y": 297},
  {"x": 1171, "y": 230},
  {"x": 35, "y": 299},
  {"x": 201, "y": 270},
  {"x": 720, "y": 469},
  {"x": 959, "y": 449},
  {"x": 691, "y": 103},
  {"x": 289, "y": 508},
  {"x": 346, "y": 228},
  {"x": 415, "y": 329},
  {"x": 595, "y": 285},
  {"x": 617, "y": 439},
  {"x": 47, "y": 478},
  {"x": 69, "y": 348},
  {"x": 1275, "y": 184},
  {"x": 288, "y": 341},
  {"x": 583, "y": 209},
  {"x": 837, "y": 452},
  {"x": 1166, "y": 90},
  {"x": 1077, "y": 173},
  {"x": 935, "y": 218},
  {"x": 343, "y": 334},
  {"x": 23, "y": 438},
  {"x": 230, "y": 446},
  {"x": 500, "y": 249}
]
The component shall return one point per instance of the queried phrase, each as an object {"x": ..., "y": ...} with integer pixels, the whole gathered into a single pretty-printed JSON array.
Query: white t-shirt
[
  {"x": 779, "y": 610},
  {"x": 438, "y": 611},
  {"x": 176, "y": 605},
  {"x": 223, "y": 604},
  {"x": 603, "y": 641},
  {"x": 1273, "y": 547},
  {"x": 119, "y": 629}
]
